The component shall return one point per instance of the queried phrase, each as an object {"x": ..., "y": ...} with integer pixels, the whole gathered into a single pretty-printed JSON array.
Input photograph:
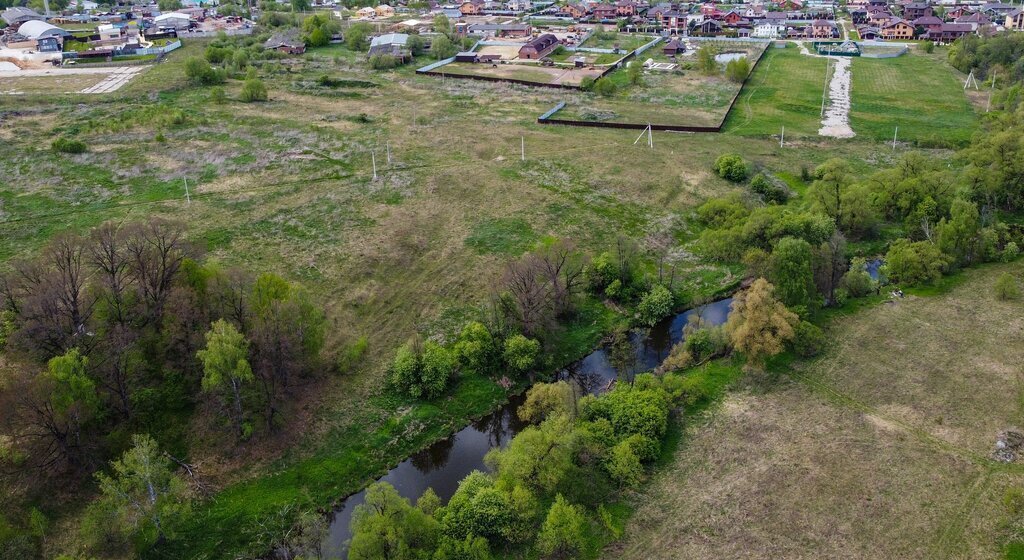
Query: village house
[
  {"x": 823, "y": 29},
  {"x": 392, "y": 44},
  {"x": 975, "y": 20},
  {"x": 384, "y": 11},
  {"x": 366, "y": 13},
  {"x": 173, "y": 20},
  {"x": 769, "y": 30},
  {"x": 916, "y": 10},
  {"x": 897, "y": 29},
  {"x": 519, "y": 5},
  {"x": 927, "y": 23},
  {"x": 673, "y": 48},
  {"x": 1014, "y": 20},
  {"x": 604, "y": 11},
  {"x": 472, "y": 7},
  {"x": 285, "y": 42},
  {"x": 500, "y": 30},
  {"x": 18, "y": 15},
  {"x": 710, "y": 27},
  {"x": 538, "y": 48},
  {"x": 625, "y": 8},
  {"x": 949, "y": 32},
  {"x": 956, "y": 12},
  {"x": 576, "y": 10}
]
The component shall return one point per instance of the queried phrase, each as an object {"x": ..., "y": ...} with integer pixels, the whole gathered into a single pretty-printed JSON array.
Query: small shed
[
  {"x": 674, "y": 47},
  {"x": 467, "y": 56},
  {"x": 286, "y": 43}
]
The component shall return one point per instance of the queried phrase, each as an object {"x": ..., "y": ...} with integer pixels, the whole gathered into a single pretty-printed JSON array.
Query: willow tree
[
  {"x": 760, "y": 325},
  {"x": 226, "y": 366}
]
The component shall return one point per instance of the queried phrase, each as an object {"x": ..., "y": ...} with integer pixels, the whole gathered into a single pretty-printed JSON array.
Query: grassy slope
[
  {"x": 877, "y": 449},
  {"x": 286, "y": 186}
]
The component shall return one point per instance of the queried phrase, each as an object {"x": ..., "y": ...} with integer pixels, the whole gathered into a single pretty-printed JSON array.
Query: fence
[
  {"x": 210, "y": 34},
  {"x": 546, "y": 117},
  {"x": 901, "y": 52}
]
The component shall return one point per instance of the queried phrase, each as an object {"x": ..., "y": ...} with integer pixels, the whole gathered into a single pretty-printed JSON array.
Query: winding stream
[{"x": 442, "y": 465}]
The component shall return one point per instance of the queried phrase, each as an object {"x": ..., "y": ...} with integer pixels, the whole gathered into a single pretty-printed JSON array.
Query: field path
[{"x": 835, "y": 122}]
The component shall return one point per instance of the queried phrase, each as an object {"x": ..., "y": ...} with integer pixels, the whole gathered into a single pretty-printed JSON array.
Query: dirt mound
[{"x": 1008, "y": 446}]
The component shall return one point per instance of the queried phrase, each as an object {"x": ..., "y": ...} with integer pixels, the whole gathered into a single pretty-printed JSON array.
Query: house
[
  {"x": 778, "y": 18},
  {"x": 916, "y": 10},
  {"x": 467, "y": 56},
  {"x": 732, "y": 17},
  {"x": 576, "y": 10},
  {"x": 768, "y": 30},
  {"x": 519, "y": 5},
  {"x": 472, "y": 7},
  {"x": 173, "y": 20},
  {"x": 1014, "y": 20},
  {"x": 956, "y": 12},
  {"x": 109, "y": 32},
  {"x": 710, "y": 27},
  {"x": 975, "y": 20},
  {"x": 897, "y": 29},
  {"x": 625, "y": 8},
  {"x": 286, "y": 43},
  {"x": 539, "y": 47},
  {"x": 823, "y": 29},
  {"x": 997, "y": 9},
  {"x": 927, "y": 23},
  {"x": 605, "y": 11},
  {"x": 18, "y": 15},
  {"x": 366, "y": 13},
  {"x": 673, "y": 48},
  {"x": 391, "y": 44},
  {"x": 949, "y": 32},
  {"x": 384, "y": 11}
]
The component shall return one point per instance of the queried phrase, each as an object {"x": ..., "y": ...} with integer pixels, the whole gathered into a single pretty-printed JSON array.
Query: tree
[
  {"x": 168, "y": 5},
  {"x": 564, "y": 530},
  {"x": 605, "y": 87},
  {"x": 771, "y": 192},
  {"x": 856, "y": 280},
  {"x": 386, "y": 525},
  {"x": 539, "y": 457},
  {"x": 792, "y": 273},
  {"x": 624, "y": 466},
  {"x": 758, "y": 324},
  {"x": 545, "y": 400},
  {"x": 226, "y": 366},
  {"x": 357, "y": 35},
  {"x": 655, "y": 305},
  {"x": 416, "y": 45},
  {"x": 521, "y": 353},
  {"x": 442, "y": 47},
  {"x": 317, "y": 38},
  {"x": 199, "y": 72},
  {"x": 731, "y": 167},
  {"x": 143, "y": 492},
  {"x": 957, "y": 236},
  {"x": 832, "y": 179},
  {"x": 64, "y": 400},
  {"x": 736, "y": 70},
  {"x": 809, "y": 339},
  {"x": 253, "y": 90},
  {"x": 706, "y": 62},
  {"x": 1006, "y": 287},
  {"x": 918, "y": 262},
  {"x": 300, "y": 5},
  {"x": 442, "y": 25},
  {"x": 476, "y": 349},
  {"x": 479, "y": 508}
]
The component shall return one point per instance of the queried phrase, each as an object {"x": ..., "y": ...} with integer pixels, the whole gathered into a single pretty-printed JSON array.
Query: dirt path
[
  {"x": 116, "y": 78},
  {"x": 835, "y": 122}
]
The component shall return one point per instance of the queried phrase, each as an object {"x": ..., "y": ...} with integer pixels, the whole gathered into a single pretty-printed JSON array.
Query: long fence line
[{"x": 546, "y": 117}]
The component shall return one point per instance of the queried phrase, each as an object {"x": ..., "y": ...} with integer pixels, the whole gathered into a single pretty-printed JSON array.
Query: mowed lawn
[
  {"x": 879, "y": 449},
  {"x": 921, "y": 95},
  {"x": 785, "y": 90}
]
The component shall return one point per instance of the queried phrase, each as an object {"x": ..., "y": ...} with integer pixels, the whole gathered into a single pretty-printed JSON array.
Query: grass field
[
  {"x": 622, "y": 41},
  {"x": 879, "y": 449},
  {"x": 287, "y": 186},
  {"x": 70, "y": 83},
  {"x": 529, "y": 73},
  {"x": 921, "y": 95},
  {"x": 918, "y": 93}
]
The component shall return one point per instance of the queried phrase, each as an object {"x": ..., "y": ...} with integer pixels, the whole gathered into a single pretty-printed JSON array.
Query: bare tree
[
  {"x": 109, "y": 256},
  {"x": 157, "y": 249}
]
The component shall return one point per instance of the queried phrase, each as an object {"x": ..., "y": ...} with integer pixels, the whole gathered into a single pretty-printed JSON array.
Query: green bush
[
  {"x": 521, "y": 353},
  {"x": 64, "y": 145},
  {"x": 1006, "y": 287},
  {"x": 199, "y": 71},
  {"x": 253, "y": 90},
  {"x": 918, "y": 262},
  {"x": 624, "y": 466},
  {"x": 1010, "y": 252},
  {"x": 383, "y": 62},
  {"x": 809, "y": 340},
  {"x": 857, "y": 281},
  {"x": 737, "y": 70},
  {"x": 438, "y": 367},
  {"x": 731, "y": 167},
  {"x": 476, "y": 349},
  {"x": 768, "y": 189},
  {"x": 655, "y": 305},
  {"x": 605, "y": 87}
]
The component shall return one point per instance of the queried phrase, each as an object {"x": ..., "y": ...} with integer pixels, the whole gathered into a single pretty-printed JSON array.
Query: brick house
[
  {"x": 538, "y": 48},
  {"x": 897, "y": 29}
]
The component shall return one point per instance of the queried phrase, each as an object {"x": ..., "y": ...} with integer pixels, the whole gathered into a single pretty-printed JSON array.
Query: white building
[
  {"x": 177, "y": 20},
  {"x": 768, "y": 30}
]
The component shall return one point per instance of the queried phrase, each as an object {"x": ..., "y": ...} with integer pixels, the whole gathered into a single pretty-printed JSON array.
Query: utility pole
[
  {"x": 894, "y": 138},
  {"x": 650, "y": 136},
  {"x": 373, "y": 158},
  {"x": 782, "y": 137},
  {"x": 188, "y": 198},
  {"x": 522, "y": 148},
  {"x": 388, "y": 145}
]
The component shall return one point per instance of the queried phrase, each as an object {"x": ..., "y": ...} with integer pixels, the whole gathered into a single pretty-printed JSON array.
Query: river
[{"x": 442, "y": 465}]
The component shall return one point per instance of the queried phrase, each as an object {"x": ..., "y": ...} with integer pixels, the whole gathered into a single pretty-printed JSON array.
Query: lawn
[
  {"x": 785, "y": 90},
  {"x": 923, "y": 96},
  {"x": 528, "y": 73},
  {"x": 879, "y": 449},
  {"x": 612, "y": 39}
]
